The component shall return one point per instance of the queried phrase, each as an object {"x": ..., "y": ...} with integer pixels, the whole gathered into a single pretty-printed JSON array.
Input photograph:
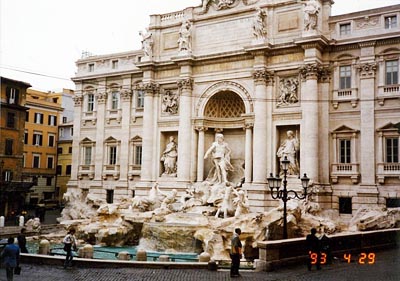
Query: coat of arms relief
[{"x": 224, "y": 4}]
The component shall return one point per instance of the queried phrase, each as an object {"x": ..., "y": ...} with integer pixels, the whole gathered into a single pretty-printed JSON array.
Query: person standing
[
  {"x": 236, "y": 253},
  {"x": 10, "y": 255},
  {"x": 314, "y": 249},
  {"x": 69, "y": 245},
  {"x": 22, "y": 241}
]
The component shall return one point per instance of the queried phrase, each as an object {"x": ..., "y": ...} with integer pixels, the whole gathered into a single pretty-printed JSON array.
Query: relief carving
[
  {"x": 367, "y": 70},
  {"x": 147, "y": 43},
  {"x": 288, "y": 91},
  {"x": 170, "y": 102},
  {"x": 185, "y": 36},
  {"x": 259, "y": 26},
  {"x": 311, "y": 10}
]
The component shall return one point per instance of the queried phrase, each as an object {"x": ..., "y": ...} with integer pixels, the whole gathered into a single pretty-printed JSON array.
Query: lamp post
[{"x": 284, "y": 194}]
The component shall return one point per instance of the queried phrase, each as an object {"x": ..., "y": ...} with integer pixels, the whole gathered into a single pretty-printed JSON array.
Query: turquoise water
[{"x": 110, "y": 253}]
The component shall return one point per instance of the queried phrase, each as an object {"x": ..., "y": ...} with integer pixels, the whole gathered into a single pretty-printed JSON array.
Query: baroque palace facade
[{"x": 262, "y": 73}]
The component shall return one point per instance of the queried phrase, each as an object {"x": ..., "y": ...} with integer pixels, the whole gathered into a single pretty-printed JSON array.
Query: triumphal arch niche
[{"x": 225, "y": 107}]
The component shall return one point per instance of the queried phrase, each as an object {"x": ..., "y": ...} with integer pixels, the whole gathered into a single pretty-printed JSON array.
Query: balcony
[
  {"x": 86, "y": 170},
  {"x": 388, "y": 170},
  {"x": 111, "y": 170},
  {"x": 388, "y": 92},
  {"x": 345, "y": 95},
  {"x": 345, "y": 170}
]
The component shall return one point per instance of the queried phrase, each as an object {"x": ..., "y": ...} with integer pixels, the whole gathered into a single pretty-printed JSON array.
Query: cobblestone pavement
[{"x": 385, "y": 268}]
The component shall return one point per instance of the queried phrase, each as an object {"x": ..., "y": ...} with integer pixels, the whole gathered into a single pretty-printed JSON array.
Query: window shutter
[
  {"x": 40, "y": 139},
  {"x": 41, "y": 118},
  {"x": 55, "y": 120}
]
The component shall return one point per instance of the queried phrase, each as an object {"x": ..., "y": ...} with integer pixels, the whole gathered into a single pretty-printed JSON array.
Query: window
[
  {"x": 71, "y": 131},
  {"x": 90, "y": 102},
  {"x": 138, "y": 155},
  {"x": 50, "y": 162},
  {"x": 110, "y": 196},
  {"x": 61, "y": 132},
  {"x": 345, "y": 77},
  {"x": 91, "y": 67},
  {"x": 38, "y": 118},
  {"x": 48, "y": 181},
  {"x": 8, "y": 175},
  {"x": 345, "y": 205},
  {"x": 140, "y": 99},
  {"x": 36, "y": 161},
  {"x": 37, "y": 139},
  {"x": 392, "y": 150},
  {"x": 52, "y": 120},
  {"x": 59, "y": 150},
  {"x": 114, "y": 100},
  {"x": 114, "y": 64},
  {"x": 390, "y": 22},
  {"x": 68, "y": 170},
  {"x": 51, "y": 140},
  {"x": 345, "y": 29},
  {"x": 64, "y": 120},
  {"x": 70, "y": 149},
  {"x": 26, "y": 137},
  {"x": 10, "y": 120},
  {"x": 392, "y": 202},
  {"x": 9, "y": 147},
  {"x": 59, "y": 170},
  {"x": 112, "y": 155},
  {"x": 345, "y": 148},
  {"x": 27, "y": 116},
  {"x": 12, "y": 95},
  {"x": 88, "y": 155},
  {"x": 392, "y": 72}
]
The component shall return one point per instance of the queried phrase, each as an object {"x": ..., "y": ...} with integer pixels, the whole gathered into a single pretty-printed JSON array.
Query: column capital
[
  {"x": 263, "y": 76},
  {"x": 150, "y": 88},
  {"x": 367, "y": 70},
  {"x": 309, "y": 71},
  {"x": 77, "y": 100},
  {"x": 324, "y": 74},
  {"x": 101, "y": 97},
  {"x": 248, "y": 125},
  {"x": 185, "y": 84},
  {"x": 201, "y": 128},
  {"x": 126, "y": 95}
]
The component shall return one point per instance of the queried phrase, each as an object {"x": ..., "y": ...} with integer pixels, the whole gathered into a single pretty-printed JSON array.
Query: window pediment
[
  {"x": 389, "y": 127},
  {"x": 86, "y": 141},
  {"x": 344, "y": 129}
]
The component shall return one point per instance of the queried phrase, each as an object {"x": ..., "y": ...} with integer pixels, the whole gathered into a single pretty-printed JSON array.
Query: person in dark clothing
[
  {"x": 236, "y": 253},
  {"x": 69, "y": 245},
  {"x": 22, "y": 241},
  {"x": 10, "y": 256},
  {"x": 314, "y": 249}
]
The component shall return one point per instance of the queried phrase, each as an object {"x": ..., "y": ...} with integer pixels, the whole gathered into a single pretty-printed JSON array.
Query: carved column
[
  {"x": 380, "y": 148},
  {"x": 126, "y": 96},
  {"x": 200, "y": 154},
  {"x": 262, "y": 125},
  {"x": 248, "y": 164},
  {"x": 324, "y": 76},
  {"x": 99, "y": 150},
  {"x": 150, "y": 89},
  {"x": 78, "y": 106},
  {"x": 334, "y": 148},
  {"x": 185, "y": 129},
  {"x": 309, "y": 131},
  {"x": 367, "y": 119}
]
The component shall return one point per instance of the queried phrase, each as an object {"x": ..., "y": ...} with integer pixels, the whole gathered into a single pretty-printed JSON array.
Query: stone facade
[{"x": 253, "y": 70}]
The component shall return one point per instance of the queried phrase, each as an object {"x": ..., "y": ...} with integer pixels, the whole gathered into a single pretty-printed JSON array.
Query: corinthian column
[
  {"x": 150, "y": 89},
  {"x": 126, "y": 96},
  {"x": 78, "y": 105},
  {"x": 200, "y": 154},
  {"x": 262, "y": 125},
  {"x": 99, "y": 150},
  {"x": 185, "y": 129},
  {"x": 309, "y": 152}
]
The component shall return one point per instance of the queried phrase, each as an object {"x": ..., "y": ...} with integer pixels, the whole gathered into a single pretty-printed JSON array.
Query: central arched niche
[{"x": 225, "y": 104}]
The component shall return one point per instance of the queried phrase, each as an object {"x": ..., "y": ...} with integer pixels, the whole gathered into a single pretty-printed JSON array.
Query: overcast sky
[{"x": 46, "y": 37}]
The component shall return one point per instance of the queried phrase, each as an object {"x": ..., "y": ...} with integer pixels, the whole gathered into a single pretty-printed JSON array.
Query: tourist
[
  {"x": 69, "y": 245},
  {"x": 236, "y": 253},
  {"x": 313, "y": 248},
  {"x": 10, "y": 256},
  {"x": 22, "y": 241}
]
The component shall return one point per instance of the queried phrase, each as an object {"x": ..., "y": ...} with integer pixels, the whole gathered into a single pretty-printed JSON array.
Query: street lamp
[{"x": 284, "y": 194}]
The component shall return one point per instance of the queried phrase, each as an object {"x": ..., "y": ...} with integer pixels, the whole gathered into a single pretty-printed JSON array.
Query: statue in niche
[
  {"x": 185, "y": 36},
  {"x": 259, "y": 29},
  {"x": 289, "y": 148},
  {"x": 169, "y": 157},
  {"x": 170, "y": 103},
  {"x": 288, "y": 91},
  {"x": 147, "y": 43},
  {"x": 311, "y": 10},
  {"x": 221, "y": 160}
]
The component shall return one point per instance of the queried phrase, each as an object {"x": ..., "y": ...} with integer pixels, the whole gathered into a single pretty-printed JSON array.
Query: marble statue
[
  {"x": 185, "y": 36},
  {"x": 241, "y": 202},
  {"x": 151, "y": 202},
  {"x": 147, "y": 43},
  {"x": 169, "y": 157},
  {"x": 170, "y": 103},
  {"x": 259, "y": 28},
  {"x": 221, "y": 159},
  {"x": 311, "y": 10},
  {"x": 226, "y": 205},
  {"x": 204, "y": 5},
  {"x": 169, "y": 200},
  {"x": 288, "y": 88},
  {"x": 289, "y": 148}
]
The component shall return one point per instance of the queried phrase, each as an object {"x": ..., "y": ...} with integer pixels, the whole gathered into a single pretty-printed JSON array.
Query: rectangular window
[
  {"x": 88, "y": 155},
  {"x": 59, "y": 150},
  {"x": 64, "y": 120},
  {"x": 36, "y": 161},
  {"x": 68, "y": 170},
  {"x": 138, "y": 155},
  {"x": 345, "y": 149},
  {"x": 112, "y": 155},
  {"x": 38, "y": 118},
  {"x": 140, "y": 99},
  {"x": 59, "y": 170},
  {"x": 12, "y": 95},
  {"x": 9, "y": 147},
  {"x": 48, "y": 181},
  {"x": 91, "y": 67},
  {"x": 390, "y": 22},
  {"x": 52, "y": 121},
  {"x": 37, "y": 139},
  {"x": 10, "y": 120},
  {"x": 114, "y": 100},
  {"x": 90, "y": 102},
  {"x": 50, "y": 162},
  {"x": 114, "y": 64},
  {"x": 26, "y": 137},
  {"x": 51, "y": 140},
  {"x": 27, "y": 116},
  {"x": 70, "y": 149},
  {"x": 8, "y": 176},
  {"x": 392, "y": 72},
  {"x": 345, "y": 205},
  {"x": 110, "y": 196},
  {"x": 61, "y": 132},
  {"x": 345, "y": 77},
  {"x": 71, "y": 132},
  {"x": 392, "y": 150},
  {"x": 345, "y": 29},
  {"x": 392, "y": 202}
]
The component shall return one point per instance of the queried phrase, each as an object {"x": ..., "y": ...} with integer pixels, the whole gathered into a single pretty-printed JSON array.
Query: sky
[{"x": 40, "y": 40}]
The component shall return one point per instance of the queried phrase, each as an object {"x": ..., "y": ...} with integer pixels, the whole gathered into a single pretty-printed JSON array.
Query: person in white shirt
[{"x": 69, "y": 245}]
